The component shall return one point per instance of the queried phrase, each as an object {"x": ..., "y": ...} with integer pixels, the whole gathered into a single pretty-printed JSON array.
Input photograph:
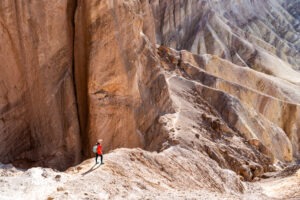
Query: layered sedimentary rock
[
  {"x": 261, "y": 38},
  {"x": 292, "y": 6},
  {"x": 242, "y": 103},
  {"x": 38, "y": 115},
  {"x": 255, "y": 93}
]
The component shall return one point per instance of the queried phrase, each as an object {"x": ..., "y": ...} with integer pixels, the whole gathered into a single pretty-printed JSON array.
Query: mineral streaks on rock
[
  {"x": 119, "y": 86},
  {"x": 248, "y": 32},
  {"x": 38, "y": 117},
  {"x": 292, "y": 6}
]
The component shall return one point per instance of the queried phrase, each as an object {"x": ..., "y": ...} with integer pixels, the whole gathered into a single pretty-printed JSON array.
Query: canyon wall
[
  {"x": 74, "y": 72},
  {"x": 120, "y": 88},
  {"x": 38, "y": 114}
]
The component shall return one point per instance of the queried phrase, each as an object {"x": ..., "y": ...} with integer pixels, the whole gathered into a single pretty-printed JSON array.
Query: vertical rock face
[
  {"x": 38, "y": 116},
  {"x": 117, "y": 79},
  {"x": 117, "y": 75}
]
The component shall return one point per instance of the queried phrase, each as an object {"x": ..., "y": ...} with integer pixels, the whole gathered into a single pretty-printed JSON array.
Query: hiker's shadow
[{"x": 91, "y": 169}]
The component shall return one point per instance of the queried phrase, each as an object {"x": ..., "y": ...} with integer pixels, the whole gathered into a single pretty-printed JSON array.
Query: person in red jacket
[{"x": 99, "y": 152}]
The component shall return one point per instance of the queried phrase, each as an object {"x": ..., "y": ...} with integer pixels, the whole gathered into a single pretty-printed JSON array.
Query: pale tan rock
[{"x": 256, "y": 179}]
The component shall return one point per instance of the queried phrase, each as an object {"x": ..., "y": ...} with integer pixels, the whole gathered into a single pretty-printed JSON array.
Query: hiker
[{"x": 98, "y": 151}]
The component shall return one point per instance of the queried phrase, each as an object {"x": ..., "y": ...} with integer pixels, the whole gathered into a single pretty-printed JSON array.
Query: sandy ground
[
  {"x": 113, "y": 180},
  {"x": 281, "y": 187}
]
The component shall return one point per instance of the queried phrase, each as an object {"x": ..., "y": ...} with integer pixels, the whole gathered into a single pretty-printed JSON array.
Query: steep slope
[
  {"x": 247, "y": 34},
  {"x": 258, "y": 34},
  {"x": 248, "y": 113},
  {"x": 292, "y": 6}
]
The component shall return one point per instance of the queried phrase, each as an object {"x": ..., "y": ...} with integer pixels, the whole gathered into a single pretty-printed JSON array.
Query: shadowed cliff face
[{"x": 38, "y": 115}]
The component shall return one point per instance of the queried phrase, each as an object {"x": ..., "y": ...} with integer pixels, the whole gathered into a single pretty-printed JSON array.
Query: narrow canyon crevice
[{"x": 80, "y": 71}]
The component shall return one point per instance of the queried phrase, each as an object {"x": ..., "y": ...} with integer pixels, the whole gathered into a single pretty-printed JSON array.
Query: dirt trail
[
  {"x": 283, "y": 184},
  {"x": 115, "y": 180}
]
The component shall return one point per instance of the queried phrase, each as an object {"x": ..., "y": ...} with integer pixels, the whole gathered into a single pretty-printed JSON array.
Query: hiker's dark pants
[{"x": 100, "y": 156}]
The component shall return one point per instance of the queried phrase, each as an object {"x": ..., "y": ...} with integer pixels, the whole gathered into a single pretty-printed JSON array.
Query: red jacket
[{"x": 99, "y": 149}]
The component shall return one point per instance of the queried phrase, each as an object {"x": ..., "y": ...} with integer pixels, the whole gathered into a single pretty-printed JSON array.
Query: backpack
[{"x": 95, "y": 149}]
